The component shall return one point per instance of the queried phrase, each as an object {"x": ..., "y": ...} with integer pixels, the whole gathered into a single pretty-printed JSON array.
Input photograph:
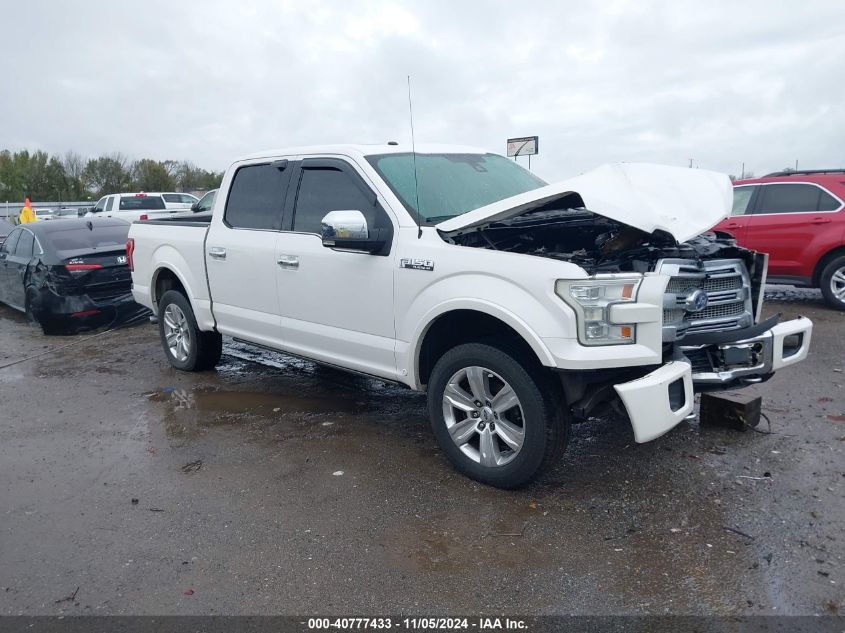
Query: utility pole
[
  {"x": 796, "y": 164},
  {"x": 742, "y": 176},
  {"x": 690, "y": 163}
]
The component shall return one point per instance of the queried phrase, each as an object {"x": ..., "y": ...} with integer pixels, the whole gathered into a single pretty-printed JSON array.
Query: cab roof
[{"x": 363, "y": 150}]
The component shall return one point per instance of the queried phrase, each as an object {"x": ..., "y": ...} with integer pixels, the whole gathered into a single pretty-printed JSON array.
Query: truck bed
[{"x": 174, "y": 244}]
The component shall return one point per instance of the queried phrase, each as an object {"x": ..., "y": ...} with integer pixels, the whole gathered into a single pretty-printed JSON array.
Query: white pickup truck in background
[
  {"x": 131, "y": 207},
  {"x": 520, "y": 307}
]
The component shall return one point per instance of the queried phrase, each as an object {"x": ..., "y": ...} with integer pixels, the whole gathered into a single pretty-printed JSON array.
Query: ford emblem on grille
[{"x": 696, "y": 301}]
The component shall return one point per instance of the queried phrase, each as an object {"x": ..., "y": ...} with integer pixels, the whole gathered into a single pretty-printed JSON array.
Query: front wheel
[
  {"x": 833, "y": 283},
  {"x": 185, "y": 345},
  {"x": 499, "y": 421}
]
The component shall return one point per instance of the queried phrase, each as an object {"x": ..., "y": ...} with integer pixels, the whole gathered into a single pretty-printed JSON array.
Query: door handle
[
  {"x": 216, "y": 252},
  {"x": 732, "y": 225},
  {"x": 819, "y": 220},
  {"x": 288, "y": 262}
]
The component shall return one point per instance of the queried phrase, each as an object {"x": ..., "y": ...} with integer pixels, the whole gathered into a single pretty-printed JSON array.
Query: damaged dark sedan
[{"x": 70, "y": 275}]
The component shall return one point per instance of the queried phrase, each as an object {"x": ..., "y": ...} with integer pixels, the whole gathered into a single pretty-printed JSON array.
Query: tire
[
  {"x": 832, "y": 282},
  {"x": 32, "y": 308},
  {"x": 480, "y": 450},
  {"x": 192, "y": 349}
]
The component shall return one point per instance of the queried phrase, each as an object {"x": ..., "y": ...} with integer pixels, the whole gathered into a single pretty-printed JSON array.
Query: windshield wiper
[{"x": 439, "y": 218}]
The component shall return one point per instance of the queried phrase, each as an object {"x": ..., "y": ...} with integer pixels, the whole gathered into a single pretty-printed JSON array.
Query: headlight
[{"x": 591, "y": 299}]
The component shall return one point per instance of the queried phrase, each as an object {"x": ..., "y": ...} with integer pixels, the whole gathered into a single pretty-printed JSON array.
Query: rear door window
[
  {"x": 827, "y": 202},
  {"x": 257, "y": 196},
  {"x": 141, "y": 203},
  {"x": 24, "y": 245},
  {"x": 172, "y": 197},
  {"x": 791, "y": 198}
]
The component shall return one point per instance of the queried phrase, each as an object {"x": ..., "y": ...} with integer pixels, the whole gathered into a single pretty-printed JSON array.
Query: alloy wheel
[
  {"x": 177, "y": 332},
  {"x": 484, "y": 416},
  {"x": 837, "y": 284}
]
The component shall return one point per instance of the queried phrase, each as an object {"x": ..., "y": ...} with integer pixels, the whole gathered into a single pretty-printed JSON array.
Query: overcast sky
[{"x": 207, "y": 81}]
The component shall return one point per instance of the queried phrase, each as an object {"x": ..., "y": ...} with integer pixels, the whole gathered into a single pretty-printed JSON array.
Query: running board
[{"x": 320, "y": 362}]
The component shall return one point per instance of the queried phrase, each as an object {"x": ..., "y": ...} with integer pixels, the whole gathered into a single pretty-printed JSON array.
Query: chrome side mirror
[
  {"x": 344, "y": 226},
  {"x": 347, "y": 230}
]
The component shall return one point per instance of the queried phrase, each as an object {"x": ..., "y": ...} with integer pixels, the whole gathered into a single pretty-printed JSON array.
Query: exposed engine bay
[
  {"x": 729, "y": 276},
  {"x": 597, "y": 244}
]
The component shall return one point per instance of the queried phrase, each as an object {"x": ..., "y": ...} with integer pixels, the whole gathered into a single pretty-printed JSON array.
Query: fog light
[
  {"x": 792, "y": 344},
  {"x": 677, "y": 395}
]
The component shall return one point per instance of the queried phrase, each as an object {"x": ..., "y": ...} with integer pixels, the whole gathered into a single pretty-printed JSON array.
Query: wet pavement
[{"x": 273, "y": 486}]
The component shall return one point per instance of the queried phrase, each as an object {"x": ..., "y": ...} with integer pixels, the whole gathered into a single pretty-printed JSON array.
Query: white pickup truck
[
  {"x": 131, "y": 207},
  {"x": 520, "y": 307}
]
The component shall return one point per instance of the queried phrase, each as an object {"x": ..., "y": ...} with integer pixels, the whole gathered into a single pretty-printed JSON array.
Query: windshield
[{"x": 449, "y": 185}]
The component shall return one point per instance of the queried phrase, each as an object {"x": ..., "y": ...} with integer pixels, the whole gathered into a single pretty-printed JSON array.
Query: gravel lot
[{"x": 274, "y": 486}]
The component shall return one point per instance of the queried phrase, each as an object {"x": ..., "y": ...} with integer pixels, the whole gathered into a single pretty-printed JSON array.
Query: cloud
[{"x": 720, "y": 82}]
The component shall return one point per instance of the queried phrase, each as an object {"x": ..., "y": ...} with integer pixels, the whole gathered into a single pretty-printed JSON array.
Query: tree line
[{"x": 72, "y": 177}]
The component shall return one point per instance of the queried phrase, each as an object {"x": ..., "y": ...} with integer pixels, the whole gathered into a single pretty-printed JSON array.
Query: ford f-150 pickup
[{"x": 520, "y": 307}]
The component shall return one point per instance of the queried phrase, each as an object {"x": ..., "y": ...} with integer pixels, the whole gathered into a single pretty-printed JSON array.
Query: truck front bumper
[
  {"x": 660, "y": 400},
  {"x": 726, "y": 365}
]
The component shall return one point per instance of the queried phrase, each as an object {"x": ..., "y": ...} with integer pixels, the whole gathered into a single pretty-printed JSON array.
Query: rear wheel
[
  {"x": 498, "y": 420},
  {"x": 186, "y": 347},
  {"x": 833, "y": 283},
  {"x": 34, "y": 314}
]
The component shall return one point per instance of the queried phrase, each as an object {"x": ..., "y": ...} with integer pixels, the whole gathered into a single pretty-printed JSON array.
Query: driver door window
[
  {"x": 205, "y": 203},
  {"x": 326, "y": 189},
  {"x": 743, "y": 197}
]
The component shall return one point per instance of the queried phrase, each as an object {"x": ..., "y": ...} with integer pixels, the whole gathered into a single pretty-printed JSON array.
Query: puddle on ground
[
  {"x": 220, "y": 401},
  {"x": 453, "y": 542},
  {"x": 190, "y": 412}
]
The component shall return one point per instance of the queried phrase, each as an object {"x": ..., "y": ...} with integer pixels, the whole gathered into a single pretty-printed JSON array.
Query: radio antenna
[{"x": 418, "y": 215}]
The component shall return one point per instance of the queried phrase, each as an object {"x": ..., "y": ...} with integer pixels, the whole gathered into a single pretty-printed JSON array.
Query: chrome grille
[
  {"x": 722, "y": 311},
  {"x": 682, "y": 285},
  {"x": 728, "y": 288},
  {"x": 672, "y": 316},
  {"x": 717, "y": 284}
]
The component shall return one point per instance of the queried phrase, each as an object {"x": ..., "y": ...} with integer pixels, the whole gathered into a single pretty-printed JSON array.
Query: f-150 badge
[{"x": 416, "y": 264}]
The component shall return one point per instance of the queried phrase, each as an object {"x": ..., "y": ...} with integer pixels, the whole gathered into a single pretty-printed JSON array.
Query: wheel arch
[
  {"x": 824, "y": 260},
  {"x": 167, "y": 278},
  {"x": 471, "y": 321}
]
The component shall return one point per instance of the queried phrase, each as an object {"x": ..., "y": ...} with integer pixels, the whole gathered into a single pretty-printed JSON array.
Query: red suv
[{"x": 798, "y": 218}]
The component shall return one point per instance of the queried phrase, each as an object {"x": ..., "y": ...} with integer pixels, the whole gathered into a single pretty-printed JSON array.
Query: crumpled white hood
[{"x": 683, "y": 202}]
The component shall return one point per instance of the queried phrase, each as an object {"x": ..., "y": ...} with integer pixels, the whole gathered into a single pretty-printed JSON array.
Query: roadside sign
[{"x": 523, "y": 146}]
